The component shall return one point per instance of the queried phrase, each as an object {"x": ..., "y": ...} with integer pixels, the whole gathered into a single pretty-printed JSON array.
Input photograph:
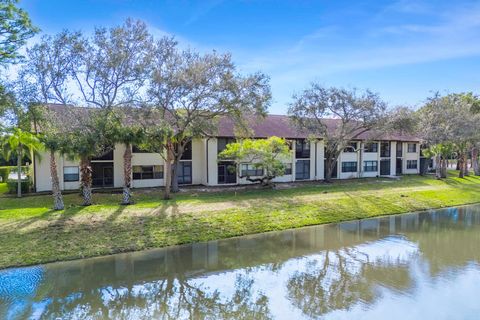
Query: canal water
[{"x": 413, "y": 266}]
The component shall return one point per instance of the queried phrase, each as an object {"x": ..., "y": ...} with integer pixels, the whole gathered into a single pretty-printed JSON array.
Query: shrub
[
  {"x": 12, "y": 186},
  {"x": 4, "y": 172}
]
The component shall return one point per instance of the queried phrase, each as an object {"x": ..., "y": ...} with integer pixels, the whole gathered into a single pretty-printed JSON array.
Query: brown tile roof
[
  {"x": 281, "y": 126},
  {"x": 271, "y": 125}
]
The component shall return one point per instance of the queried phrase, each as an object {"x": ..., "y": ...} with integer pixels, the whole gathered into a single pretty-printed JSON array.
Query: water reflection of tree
[
  {"x": 450, "y": 239},
  {"x": 335, "y": 284},
  {"x": 170, "y": 298}
]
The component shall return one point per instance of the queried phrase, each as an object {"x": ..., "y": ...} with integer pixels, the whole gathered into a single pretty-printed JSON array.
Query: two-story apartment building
[{"x": 364, "y": 157}]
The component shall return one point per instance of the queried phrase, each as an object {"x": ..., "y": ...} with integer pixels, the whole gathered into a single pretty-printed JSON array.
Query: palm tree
[
  {"x": 128, "y": 136},
  {"x": 84, "y": 144},
  {"x": 20, "y": 143},
  {"x": 54, "y": 145}
]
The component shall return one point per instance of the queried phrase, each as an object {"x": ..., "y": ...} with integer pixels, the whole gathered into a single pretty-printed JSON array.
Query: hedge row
[{"x": 4, "y": 173}]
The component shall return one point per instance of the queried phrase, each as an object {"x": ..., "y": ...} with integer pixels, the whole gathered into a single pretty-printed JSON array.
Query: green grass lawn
[
  {"x": 30, "y": 232},
  {"x": 3, "y": 188}
]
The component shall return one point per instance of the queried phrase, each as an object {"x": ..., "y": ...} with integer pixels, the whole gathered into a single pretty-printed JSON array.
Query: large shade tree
[
  {"x": 109, "y": 70},
  {"x": 354, "y": 113},
  {"x": 111, "y": 67},
  {"x": 104, "y": 72},
  {"x": 449, "y": 128},
  {"x": 191, "y": 91},
  {"x": 43, "y": 79},
  {"x": 15, "y": 29}
]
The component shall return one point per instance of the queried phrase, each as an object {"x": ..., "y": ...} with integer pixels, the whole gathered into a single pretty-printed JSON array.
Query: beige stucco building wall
[{"x": 205, "y": 161}]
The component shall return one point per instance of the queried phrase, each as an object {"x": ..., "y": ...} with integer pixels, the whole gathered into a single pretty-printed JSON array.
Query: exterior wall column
[
  {"x": 60, "y": 165},
  {"x": 393, "y": 158},
  {"x": 312, "y": 160},
  {"x": 118, "y": 174},
  {"x": 320, "y": 160},
  {"x": 294, "y": 160},
  {"x": 212, "y": 162},
  {"x": 360, "y": 159}
]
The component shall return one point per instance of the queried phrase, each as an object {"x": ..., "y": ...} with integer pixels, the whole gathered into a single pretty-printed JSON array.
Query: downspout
[
  {"x": 34, "y": 174},
  {"x": 316, "y": 145},
  {"x": 34, "y": 162},
  {"x": 360, "y": 160}
]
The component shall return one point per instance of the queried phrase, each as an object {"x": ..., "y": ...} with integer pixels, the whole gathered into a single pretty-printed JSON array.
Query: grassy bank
[{"x": 31, "y": 233}]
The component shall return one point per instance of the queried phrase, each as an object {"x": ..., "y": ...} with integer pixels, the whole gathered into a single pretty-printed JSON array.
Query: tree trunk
[
  {"x": 174, "y": 169},
  {"x": 444, "y": 166},
  {"x": 460, "y": 166},
  {"x": 438, "y": 166},
  {"x": 168, "y": 171},
  {"x": 86, "y": 180},
  {"x": 19, "y": 171},
  {"x": 476, "y": 167},
  {"x": 466, "y": 171},
  {"x": 176, "y": 165},
  {"x": 127, "y": 175},
  {"x": 330, "y": 165},
  {"x": 56, "y": 193}
]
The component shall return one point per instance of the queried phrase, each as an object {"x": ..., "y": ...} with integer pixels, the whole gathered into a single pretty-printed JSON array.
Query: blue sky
[{"x": 402, "y": 49}]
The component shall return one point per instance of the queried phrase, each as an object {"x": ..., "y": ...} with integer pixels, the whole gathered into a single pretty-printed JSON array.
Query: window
[
  {"x": 351, "y": 147},
  {"x": 302, "y": 170},
  {"x": 385, "y": 149},
  {"x": 370, "y": 166},
  {"x": 184, "y": 173},
  {"x": 187, "y": 151},
  {"x": 147, "y": 172},
  {"x": 371, "y": 147},
  {"x": 411, "y": 164},
  {"x": 302, "y": 148},
  {"x": 399, "y": 149},
  {"x": 227, "y": 172},
  {"x": 250, "y": 170},
  {"x": 412, "y": 147},
  {"x": 70, "y": 174},
  {"x": 288, "y": 168},
  {"x": 349, "y": 166},
  {"x": 137, "y": 149},
  {"x": 222, "y": 143}
]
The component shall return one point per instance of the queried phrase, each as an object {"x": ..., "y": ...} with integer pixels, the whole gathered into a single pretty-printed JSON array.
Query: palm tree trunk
[
  {"x": 127, "y": 175},
  {"x": 57, "y": 194},
  {"x": 19, "y": 171},
  {"x": 86, "y": 181}
]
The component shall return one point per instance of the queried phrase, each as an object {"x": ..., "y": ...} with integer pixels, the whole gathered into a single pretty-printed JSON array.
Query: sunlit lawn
[
  {"x": 3, "y": 188},
  {"x": 30, "y": 232}
]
